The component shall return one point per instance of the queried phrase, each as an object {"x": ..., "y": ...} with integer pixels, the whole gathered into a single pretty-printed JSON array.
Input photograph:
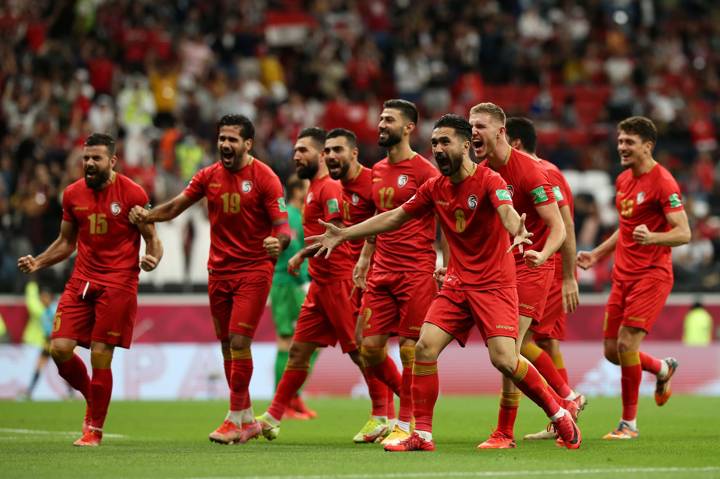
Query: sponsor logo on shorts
[
  {"x": 115, "y": 208},
  {"x": 114, "y": 333},
  {"x": 605, "y": 322},
  {"x": 246, "y": 186},
  {"x": 439, "y": 202},
  {"x": 402, "y": 181},
  {"x": 375, "y": 180},
  {"x": 80, "y": 208},
  {"x": 505, "y": 326},
  {"x": 245, "y": 325},
  {"x": 414, "y": 328},
  {"x": 472, "y": 202},
  {"x": 211, "y": 185},
  {"x": 527, "y": 306}
]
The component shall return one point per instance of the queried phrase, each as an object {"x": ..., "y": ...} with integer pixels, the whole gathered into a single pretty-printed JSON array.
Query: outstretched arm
[
  {"x": 164, "y": 212},
  {"x": 59, "y": 250},
  {"x": 334, "y": 236},
  {"x": 515, "y": 225},
  {"x": 587, "y": 259}
]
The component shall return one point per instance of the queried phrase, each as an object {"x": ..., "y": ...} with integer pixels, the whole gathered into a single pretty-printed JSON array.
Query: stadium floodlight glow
[{"x": 620, "y": 17}]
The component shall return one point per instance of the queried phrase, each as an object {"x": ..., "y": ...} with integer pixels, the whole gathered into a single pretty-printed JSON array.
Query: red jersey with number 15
[
  {"x": 409, "y": 248},
  {"x": 242, "y": 207},
  {"x": 108, "y": 244},
  {"x": 529, "y": 186},
  {"x": 468, "y": 216},
  {"x": 357, "y": 204},
  {"x": 644, "y": 199}
]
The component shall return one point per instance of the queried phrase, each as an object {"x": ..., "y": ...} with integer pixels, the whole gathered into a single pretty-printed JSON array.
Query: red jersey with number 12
[
  {"x": 242, "y": 207},
  {"x": 644, "y": 199},
  {"x": 108, "y": 244},
  {"x": 409, "y": 248},
  {"x": 468, "y": 216}
]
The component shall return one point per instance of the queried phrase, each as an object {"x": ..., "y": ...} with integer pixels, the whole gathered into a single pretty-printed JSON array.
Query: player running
[
  {"x": 248, "y": 230},
  {"x": 652, "y": 221},
  {"x": 99, "y": 304},
  {"x": 532, "y": 196},
  {"x": 401, "y": 284},
  {"x": 544, "y": 349},
  {"x": 475, "y": 211}
]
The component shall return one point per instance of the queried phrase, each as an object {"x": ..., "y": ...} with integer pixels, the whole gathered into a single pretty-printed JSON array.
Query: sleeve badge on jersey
[
  {"x": 281, "y": 205},
  {"x": 558, "y": 194},
  {"x": 402, "y": 181},
  {"x": 503, "y": 195},
  {"x": 333, "y": 206},
  {"x": 472, "y": 202},
  {"x": 539, "y": 195},
  {"x": 675, "y": 200},
  {"x": 115, "y": 208},
  {"x": 246, "y": 186}
]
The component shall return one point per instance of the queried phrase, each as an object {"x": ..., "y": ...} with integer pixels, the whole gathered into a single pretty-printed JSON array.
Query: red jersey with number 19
[
  {"x": 529, "y": 186},
  {"x": 108, "y": 244},
  {"x": 323, "y": 202},
  {"x": 477, "y": 238},
  {"x": 645, "y": 199},
  {"x": 409, "y": 248},
  {"x": 358, "y": 204},
  {"x": 242, "y": 207}
]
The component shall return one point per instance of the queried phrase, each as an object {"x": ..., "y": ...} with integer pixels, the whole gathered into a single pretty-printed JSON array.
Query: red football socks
[
  {"x": 631, "y": 371},
  {"x": 650, "y": 364},
  {"x": 378, "y": 393},
  {"x": 100, "y": 392},
  {"x": 75, "y": 373},
  {"x": 509, "y": 403},
  {"x": 407, "y": 355},
  {"x": 241, "y": 369},
  {"x": 531, "y": 383},
  {"x": 292, "y": 380},
  {"x": 544, "y": 364},
  {"x": 425, "y": 388}
]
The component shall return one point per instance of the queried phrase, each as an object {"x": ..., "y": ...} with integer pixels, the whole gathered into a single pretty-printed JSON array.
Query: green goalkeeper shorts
[{"x": 285, "y": 302}]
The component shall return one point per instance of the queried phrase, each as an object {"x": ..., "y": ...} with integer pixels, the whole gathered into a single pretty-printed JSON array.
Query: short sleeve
[
  {"x": 139, "y": 197},
  {"x": 196, "y": 188},
  {"x": 421, "y": 202},
  {"x": 670, "y": 196},
  {"x": 559, "y": 188},
  {"x": 537, "y": 187},
  {"x": 497, "y": 190},
  {"x": 67, "y": 213},
  {"x": 331, "y": 198},
  {"x": 273, "y": 198}
]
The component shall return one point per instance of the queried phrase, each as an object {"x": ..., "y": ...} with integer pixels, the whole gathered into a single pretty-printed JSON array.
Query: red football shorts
[
  {"x": 88, "y": 312},
  {"x": 552, "y": 323},
  {"x": 494, "y": 312},
  {"x": 533, "y": 286},
  {"x": 327, "y": 316},
  {"x": 238, "y": 304},
  {"x": 635, "y": 303},
  {"x": 396, "y": 303}
]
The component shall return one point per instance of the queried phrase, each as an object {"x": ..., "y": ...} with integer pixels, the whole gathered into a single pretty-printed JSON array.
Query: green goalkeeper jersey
[{"x": 297, "y": 242}]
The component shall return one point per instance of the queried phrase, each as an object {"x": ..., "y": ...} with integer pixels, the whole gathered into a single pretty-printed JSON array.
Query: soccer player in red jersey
[
  {"x": 532, "y": 196},
  {"x": 475, "y": 210},
  {"x": 327, "y": 315},
  {"x": 341, "y": 158},
  {"x": 248, "y": 230},
  {"x": 401, "y": 284},
  {"x": 652, "y": 221},
  {"x": 544, "y": 349},
  {"x": 98, "y": 307}
]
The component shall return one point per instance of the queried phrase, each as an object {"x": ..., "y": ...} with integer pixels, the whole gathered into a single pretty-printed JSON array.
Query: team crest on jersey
[
  {"x": 309, "y": 198},
  {"x": 115, "y": 208},
  {"x": 246, "y": 186},
  {"x": 472, "y": 202},
  {"x": 354, "y": 198},
  {"x": 640, "y": 197},
  {"x": 402, "y": 180},
  {"x": 511, "y": 190}
]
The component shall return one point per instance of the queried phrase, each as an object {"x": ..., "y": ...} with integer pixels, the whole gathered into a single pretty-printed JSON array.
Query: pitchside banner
[{"x": 194, "y": 371}]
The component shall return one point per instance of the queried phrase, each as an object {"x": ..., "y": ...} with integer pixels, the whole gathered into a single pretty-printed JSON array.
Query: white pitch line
[
  {"x": 559, "y": 472},
  {"x": 53, "y": 433}
]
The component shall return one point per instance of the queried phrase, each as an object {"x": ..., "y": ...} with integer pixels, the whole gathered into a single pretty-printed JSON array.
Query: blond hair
[{"x": 490, "y": 109}]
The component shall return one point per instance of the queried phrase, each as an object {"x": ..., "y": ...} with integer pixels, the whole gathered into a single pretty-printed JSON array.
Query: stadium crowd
[{"x": 159, "y": 74}]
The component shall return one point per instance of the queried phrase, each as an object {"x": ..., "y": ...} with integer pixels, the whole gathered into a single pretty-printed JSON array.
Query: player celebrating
[
  {"x": 341, "y": 158},
  {"x": 652, "y": 220},
  {"x": 326, "y": 317},
  {"x": 401, "y": 284},
  {"x": 544, "y": 350},
  {"x": 248, "y": 230},
  {"x": 98, "y": 307},
  {"x": 475, "y": 209},
  {"x": 532, "y": 196}
]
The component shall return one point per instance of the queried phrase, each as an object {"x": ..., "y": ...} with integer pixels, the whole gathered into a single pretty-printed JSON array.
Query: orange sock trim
[
  {"x": 407, "y": 356},
  {"x": 531, "y": 351},
  {"x": 289, "y": 367},
  {"x": 424, "y": 369},
  {"x": 629, "y": 358},
  {"x": 558, "y": 360},
  {"x": 510, "y": 399},
  {"x": 520, "y": 370},
  {"x": 244, "y": 353}
]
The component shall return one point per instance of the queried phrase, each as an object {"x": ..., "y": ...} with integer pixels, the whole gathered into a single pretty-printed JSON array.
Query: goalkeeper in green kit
[{"x": 288, "y": 293}]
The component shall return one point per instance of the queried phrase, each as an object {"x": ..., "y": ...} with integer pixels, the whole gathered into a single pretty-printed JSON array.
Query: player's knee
[
  {"x": 407, "y": 355},
  {"x": 61, "y": 352},
  {"x": 239, "y": 342},
  {"x": 624, "y": 345},
  {"x": 298, "y": 357},
  {"x": 425, "y": 352},
  {"x": 373, "y": 355},
  {"x": 545, "y": 344},
  {"x": 504, "y": 361},
  {"x": 611, "y": 355}
]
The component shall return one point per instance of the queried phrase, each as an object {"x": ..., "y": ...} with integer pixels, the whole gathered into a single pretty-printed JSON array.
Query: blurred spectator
[{"x": 697, "y": 326}]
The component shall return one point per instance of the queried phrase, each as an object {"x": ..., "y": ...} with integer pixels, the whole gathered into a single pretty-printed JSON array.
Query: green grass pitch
[{"x": 169, "y": 440}]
